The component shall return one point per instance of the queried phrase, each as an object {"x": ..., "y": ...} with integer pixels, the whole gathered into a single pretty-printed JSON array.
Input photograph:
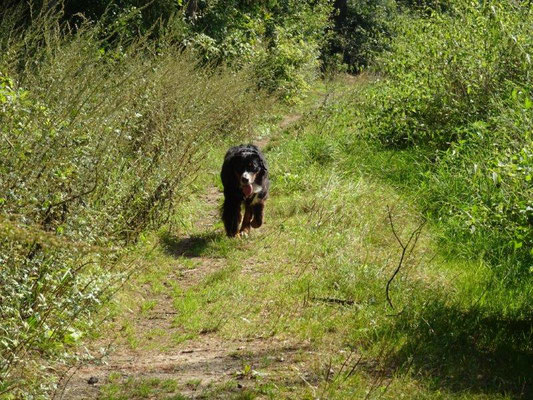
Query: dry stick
[
  {"x": 352, "y": 352},
  {"x": 328, "y": 372},
  {"x": 65, "y": 384},
  {"x": 356, "y": 364},
  {"x": 339, "y": 373},
  {"x": 414, "y": 235},
  {"x": 333, "y": 300}
]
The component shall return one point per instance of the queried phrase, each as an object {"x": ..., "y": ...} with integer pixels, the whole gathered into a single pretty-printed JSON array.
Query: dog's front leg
[
  {"x": 231, "y": 215},
  {"x": 258, "y": 214},
  {"x": 245, "y": 227}
]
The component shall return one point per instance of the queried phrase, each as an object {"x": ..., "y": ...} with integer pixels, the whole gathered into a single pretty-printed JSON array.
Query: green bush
[
  {"x": 457, "y": 86},
  {"x": 361, "y": 32},
  {"x": 482, "y": 186},
  {"x": 451, "y": 69},
  {"x": 98, "y": 143},
  {"x": 280, "y": 39}
]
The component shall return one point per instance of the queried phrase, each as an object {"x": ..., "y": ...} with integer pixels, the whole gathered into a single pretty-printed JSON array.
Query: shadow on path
[
  {"x": 190, "y": 247},
  {"x": 468, "y": 350}
]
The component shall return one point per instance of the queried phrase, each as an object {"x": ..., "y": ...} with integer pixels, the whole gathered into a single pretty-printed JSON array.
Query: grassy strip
[{"x": 315, "y": 276}]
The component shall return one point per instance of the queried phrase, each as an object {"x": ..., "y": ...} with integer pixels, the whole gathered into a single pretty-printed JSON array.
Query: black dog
[{"x": 245, "y": 178}]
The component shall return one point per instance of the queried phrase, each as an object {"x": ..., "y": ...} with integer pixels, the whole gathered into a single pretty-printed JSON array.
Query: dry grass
[{"x": 101, "y": 137}]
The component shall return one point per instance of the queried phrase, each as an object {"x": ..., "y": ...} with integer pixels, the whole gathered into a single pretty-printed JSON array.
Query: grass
[
  {"x": 140, "y": 389},
  {"x": 314, "y": 276},
  {"x": 99, "y": 140}
]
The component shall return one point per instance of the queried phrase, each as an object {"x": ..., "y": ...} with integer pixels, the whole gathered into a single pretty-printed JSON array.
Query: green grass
[
  {"x": 315, "y": 275},
  {"x": 130, "y": 388}
]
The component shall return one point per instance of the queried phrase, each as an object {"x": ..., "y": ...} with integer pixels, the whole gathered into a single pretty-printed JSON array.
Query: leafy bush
[
  {"x": 98, "y": 144},
  {"x": 458, "y": 85},
  {"x": 482, "y": 186},
  {"x": 281, "y": 39},
  {"x": 361, "y": 32},
  {"x": 450, "y": 69}
]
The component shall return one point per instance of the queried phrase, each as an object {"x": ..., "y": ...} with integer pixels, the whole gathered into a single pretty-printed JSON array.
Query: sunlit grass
[{"x": 315, "y": 275}]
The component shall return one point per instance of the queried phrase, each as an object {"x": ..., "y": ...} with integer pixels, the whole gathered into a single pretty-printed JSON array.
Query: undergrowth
[
  {"x": 98, "y": 144},
  {"x": 456, "y": 89}
]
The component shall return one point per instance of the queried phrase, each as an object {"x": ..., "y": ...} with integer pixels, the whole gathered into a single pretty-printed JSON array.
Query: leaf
[{"x": 494, "y": 177}]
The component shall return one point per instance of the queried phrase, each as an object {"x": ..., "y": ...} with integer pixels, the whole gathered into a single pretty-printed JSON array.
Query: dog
[{"x": 245, "y": 179}]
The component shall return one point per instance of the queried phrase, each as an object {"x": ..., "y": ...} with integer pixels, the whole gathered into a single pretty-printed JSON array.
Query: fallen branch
[
  {"x": 414, "y": 236},
  {"x": 333, "y": 300}
]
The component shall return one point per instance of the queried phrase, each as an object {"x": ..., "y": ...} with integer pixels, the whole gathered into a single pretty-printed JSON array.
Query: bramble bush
[
  {"x": 457, "y": 85},
  {"x": 98, "y": 143}
]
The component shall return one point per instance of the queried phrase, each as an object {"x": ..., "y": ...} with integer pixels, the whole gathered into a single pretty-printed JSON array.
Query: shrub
[
  {"x": 457, "y": 84},
  {"x": 98, "y": 144},
  {"x": 450, "y": 69},
  {"x": 482, "y": 187},
  {"x": 361, "y": 32},
  {"x": 281, "y": 39}
]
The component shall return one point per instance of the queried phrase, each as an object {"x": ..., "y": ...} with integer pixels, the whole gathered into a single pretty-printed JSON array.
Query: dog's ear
[
  {"x": 263, "y": 165},
  {"x": 264, "y": 169}
]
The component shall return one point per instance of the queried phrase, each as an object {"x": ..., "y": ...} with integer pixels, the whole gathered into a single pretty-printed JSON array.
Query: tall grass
[
  {"x": 101, "y": 135},
  {"x": 456, "y": 89}
]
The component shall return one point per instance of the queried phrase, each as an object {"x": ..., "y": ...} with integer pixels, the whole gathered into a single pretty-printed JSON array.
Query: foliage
[
  {"x": 98, "y": 144},
  {"x": 361, "y": 31},
  {"x": 458, "y": 88},
  {"x": 449, "y": 69},
  {"x": 282, "y": 39},
  {"x": 105, "y": 122}
]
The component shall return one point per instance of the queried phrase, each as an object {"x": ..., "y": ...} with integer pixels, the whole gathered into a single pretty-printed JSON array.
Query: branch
[
  {"x": 333, "y": 300},
  {"x": 77, "y": 196},
  {"x": 414, "y": 236}
]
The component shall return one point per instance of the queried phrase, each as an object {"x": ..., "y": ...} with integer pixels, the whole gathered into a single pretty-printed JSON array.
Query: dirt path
[
  {"x": 194, "y": 366},
  {"x": 299, "y": 310}
]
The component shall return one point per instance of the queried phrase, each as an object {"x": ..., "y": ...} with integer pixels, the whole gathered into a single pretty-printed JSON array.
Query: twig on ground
[
  {"x": 333, "y": 300},
  {"x": 405, "y": 247}
]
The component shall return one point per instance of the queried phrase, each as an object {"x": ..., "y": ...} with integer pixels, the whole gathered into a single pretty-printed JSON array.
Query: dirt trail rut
[{"x": 197, "y": 364}]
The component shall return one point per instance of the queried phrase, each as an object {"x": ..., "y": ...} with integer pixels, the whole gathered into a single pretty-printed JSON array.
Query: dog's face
[{"x": 248, "y": 170}]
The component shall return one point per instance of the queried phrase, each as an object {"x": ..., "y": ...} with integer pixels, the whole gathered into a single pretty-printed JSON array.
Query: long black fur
[{"x": 237, "y": 160}]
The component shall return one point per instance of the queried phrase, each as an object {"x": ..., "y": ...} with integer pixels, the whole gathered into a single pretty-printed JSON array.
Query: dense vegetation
[
  {"x": 456, "y": 91},
  {"x": 109, "y": 111},
  {"x": 98, "y": 143}
]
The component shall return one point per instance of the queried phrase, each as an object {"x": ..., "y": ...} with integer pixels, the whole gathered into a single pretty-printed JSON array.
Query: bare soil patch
[{"x": 195, "y": 365}]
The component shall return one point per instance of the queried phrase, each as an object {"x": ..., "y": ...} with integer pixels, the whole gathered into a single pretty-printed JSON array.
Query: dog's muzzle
[{"x": 246, "y": 184}]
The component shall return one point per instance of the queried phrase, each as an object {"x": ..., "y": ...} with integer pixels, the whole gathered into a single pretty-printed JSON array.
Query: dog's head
[{"x": 249, "y": 169}]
